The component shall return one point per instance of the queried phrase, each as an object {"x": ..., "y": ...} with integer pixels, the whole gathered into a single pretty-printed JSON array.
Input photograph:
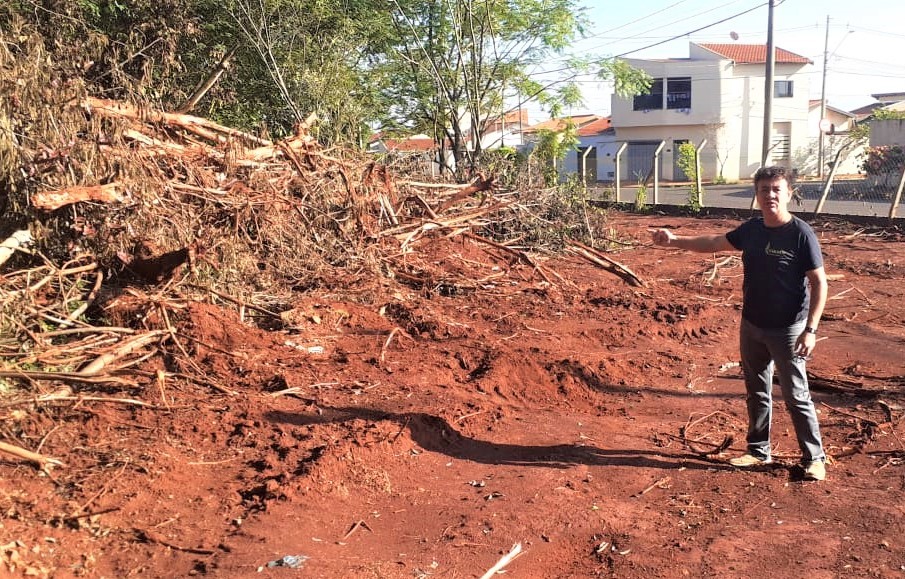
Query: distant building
[
  {"x": 888, "y": 131},
  {"x": 717, "y": 93},
  {"x": 806, "y": 158}
]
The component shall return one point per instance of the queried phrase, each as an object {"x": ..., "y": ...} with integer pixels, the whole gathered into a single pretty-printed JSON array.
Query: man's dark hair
[{"x": 775, "y": 172}]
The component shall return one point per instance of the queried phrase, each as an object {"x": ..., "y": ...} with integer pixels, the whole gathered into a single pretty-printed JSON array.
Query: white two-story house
[{"x": 717, "y": 93}]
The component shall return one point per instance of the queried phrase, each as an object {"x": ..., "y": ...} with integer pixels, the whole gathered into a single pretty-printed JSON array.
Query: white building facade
[{"x": 717, "y": 94}]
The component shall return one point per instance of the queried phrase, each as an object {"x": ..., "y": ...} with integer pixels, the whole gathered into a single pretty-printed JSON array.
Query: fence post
[
  {"x": 621, "y": 150},
  {"x": 897, "y": 196},
  {"x": 657, "y": 172},
  {"x": 697, "y": 172},
  {"x": 584, "y": 165},
  {"x": 829, "y": 180}
]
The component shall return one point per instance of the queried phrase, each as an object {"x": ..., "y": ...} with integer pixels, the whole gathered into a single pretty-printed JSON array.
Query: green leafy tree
[
  {"x": 688, "y": 162},
  {"x": 288, "y": 58},
  {"x": 887, "y": 114},
  {"x": 883, "y": 162},
  {"x": 452, "y": 62},
  {"x": 552, "y": 147}
]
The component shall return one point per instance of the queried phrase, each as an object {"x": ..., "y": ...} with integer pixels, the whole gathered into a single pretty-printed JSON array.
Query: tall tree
[
  {"x": 290, "y": 58},
  {"x": 452, "y": 61}
]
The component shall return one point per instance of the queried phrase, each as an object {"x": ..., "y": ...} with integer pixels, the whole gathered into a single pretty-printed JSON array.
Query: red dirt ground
[{"x": 439, "y": 427}]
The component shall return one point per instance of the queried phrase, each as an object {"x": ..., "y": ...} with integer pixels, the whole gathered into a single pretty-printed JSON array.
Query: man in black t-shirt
[{"x": 784, "y": 293}]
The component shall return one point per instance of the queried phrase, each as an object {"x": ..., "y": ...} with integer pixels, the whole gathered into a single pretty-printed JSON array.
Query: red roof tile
[
  {"x": 558, "y": 124},
  {"x": 754, "y": 53},
  {"x": 517, "y": 118},
  {"x": 410, "y": 144},
  {"x": 594, "y": 127}
]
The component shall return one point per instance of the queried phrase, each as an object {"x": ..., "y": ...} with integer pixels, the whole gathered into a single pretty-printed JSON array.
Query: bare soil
[{"x": 397, "y": 432}]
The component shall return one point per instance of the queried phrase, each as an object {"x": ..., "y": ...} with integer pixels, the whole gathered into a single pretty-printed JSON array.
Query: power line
[
  {"x": 635, "y": 21},
  {"x": 674, "y": 22},
  {"x": 878, "y": 31},
  {"x": 691, "y": 32},
  {"x": 670, "y": 39}
]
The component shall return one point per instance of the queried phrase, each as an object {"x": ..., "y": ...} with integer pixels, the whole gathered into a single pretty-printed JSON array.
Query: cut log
[
  {"x": 197, "y": 125},
  {"x": 51, "y": 200}
]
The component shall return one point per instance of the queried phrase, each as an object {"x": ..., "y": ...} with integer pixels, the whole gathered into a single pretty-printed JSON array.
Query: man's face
[{"x": 773, "y": 195}]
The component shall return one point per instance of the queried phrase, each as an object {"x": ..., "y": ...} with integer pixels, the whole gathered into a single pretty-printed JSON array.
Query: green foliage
[
  {"x": 641, "y": 198},
  {"x": 451, "y": 62},
  {"x": 292, "y": 57},
  {"x": 886, "y": 114},
  {"x": 883, "y": 159},
  {"x": 552, "y": 147},
  {"x": 430, "y": 66},
  {"x": 549, "y": 217},
  {"x": 688, "y": 162},
  {"x": 860, "y": 133},
  {"x": 507, "y": 166},
  {"x": 627, "y": 80}
]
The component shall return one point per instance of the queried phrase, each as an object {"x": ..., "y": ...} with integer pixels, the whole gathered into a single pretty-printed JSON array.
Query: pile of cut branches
[{"x": 120, "y": 213}]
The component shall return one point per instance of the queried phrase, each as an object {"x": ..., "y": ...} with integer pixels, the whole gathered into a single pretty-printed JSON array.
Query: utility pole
[
  {"x": 768, "y": 88},
  {"x": 820, "y": 141}
]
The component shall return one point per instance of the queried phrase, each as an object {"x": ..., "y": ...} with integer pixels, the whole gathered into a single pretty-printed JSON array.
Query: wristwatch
[{"x": 810, "y": 330}]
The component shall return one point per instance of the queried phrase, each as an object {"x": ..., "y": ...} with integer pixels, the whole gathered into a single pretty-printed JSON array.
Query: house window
[
  {"x": 782, "y": 89},
  {"x": 651, "y": 101},
  {"x": 678, "y": 92}
]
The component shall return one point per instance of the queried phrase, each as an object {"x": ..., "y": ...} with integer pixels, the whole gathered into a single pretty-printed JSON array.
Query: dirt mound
[{"x": 416, "y": 433}]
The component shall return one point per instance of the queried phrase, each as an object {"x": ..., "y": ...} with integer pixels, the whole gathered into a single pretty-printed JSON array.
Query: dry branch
[
  {"x": 42, "y": 461},
  {"x": 605, "y": 262},
  {"x": 152, "y": 537},
  {"x": 127, "y": 347},
  {"x": 505, "y": 560},
  {"x": 658, "y": 483}
]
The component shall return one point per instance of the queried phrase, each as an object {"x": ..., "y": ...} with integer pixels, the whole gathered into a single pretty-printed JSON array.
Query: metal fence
[{"x": 874, "y": 196}]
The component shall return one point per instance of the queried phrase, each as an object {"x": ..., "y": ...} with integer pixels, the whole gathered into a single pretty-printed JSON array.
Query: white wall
[
  {"x": 605, "y": 146},
  {"x": 705, "y": 95},
  {"x": 727, "y": 109},
  {"x": 805, "y": 158},
  {"x": 497, "y": 139},
  {"x": 842, "y": 123},
  {"x": 748, "y": 85},
  {"x": 887, "y": 132}
]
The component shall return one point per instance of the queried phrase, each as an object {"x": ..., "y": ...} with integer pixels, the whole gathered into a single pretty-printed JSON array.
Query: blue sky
[{"x": 866, "y": 39}]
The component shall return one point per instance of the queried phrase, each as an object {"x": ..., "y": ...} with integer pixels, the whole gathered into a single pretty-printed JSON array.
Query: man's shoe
[
  {"x": 815, "y": 470},
  {"x": 747, "y": 460}
]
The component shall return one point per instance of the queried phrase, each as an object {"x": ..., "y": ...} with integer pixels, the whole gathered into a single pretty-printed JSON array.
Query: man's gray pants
[{"x": 762, "y": 351}]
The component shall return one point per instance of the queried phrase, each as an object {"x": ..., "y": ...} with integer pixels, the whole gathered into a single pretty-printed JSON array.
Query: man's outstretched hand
[{"x": 663, "y": 237}]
